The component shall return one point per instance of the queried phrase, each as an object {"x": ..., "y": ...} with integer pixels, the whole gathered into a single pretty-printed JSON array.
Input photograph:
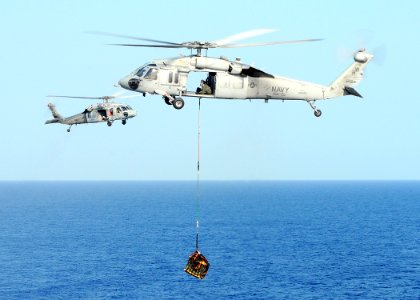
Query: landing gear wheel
[
  {"x": 167, "y": 101},
  {"x": 178, "y": 103},
  {"x": 317, "y": 113},
  {"x": 68, "y": 129},
  {"x": 109, "y": 123},
  {"x": 124, "y": 122}
]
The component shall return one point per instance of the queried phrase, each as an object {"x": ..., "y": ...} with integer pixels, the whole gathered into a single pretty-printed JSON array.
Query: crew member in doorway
[{"x": 204, "y": 88}]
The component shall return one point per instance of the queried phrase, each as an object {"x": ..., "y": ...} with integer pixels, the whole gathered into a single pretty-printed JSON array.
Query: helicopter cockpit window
[
  {"x": 141, "y": 72},
  {"x": 151, "y": 74},
  {"x": 129, "y": 107},
  {"x": 138, "y": 69}
]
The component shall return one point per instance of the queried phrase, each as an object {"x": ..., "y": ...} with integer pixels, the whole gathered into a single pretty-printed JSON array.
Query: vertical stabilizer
[
  {"x": 351, "y": 77},
  {"x": 57, "y": 117}
]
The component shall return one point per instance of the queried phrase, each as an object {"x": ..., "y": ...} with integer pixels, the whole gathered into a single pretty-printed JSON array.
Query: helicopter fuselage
[
  {"x": 101, "y": 112},
  {"x": 235, "y": 80}
]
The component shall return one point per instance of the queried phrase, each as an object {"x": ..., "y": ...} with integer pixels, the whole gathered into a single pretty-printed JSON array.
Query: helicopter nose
[{"x": 123, "y": 83}]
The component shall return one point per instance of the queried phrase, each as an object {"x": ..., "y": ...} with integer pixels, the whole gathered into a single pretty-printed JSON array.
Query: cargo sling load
[{"x": 197, "y": 264}]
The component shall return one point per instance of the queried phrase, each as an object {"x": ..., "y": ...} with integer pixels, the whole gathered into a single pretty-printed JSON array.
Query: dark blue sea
[{"x": 264, "y": 240}]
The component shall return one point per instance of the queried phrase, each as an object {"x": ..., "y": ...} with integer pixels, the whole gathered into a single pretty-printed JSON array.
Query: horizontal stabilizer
[
  {"x": 351, "y": 91},
  {"x": 52, "y": 121}
]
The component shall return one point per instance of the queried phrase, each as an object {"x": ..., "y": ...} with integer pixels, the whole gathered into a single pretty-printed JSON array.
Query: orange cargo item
[{"x": 197, "y": 265}]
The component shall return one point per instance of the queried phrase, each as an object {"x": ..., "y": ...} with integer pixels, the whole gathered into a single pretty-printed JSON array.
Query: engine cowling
[
  {"x": 218, "y": 65},
  {"x": 235, "y": 69},
  {"x": 212, "y": 63}
]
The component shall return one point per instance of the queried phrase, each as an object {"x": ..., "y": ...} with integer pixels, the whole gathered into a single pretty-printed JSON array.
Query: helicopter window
[
  {"x": 123, "y": 108},
  {"x": 151, "y": 74},
  {"x": 129, "y": 107},
  {"x": 118, "y": 109},
  {"x": 139, "y": 69},
  {"x": 141, "y": 72},
  {"x": 176, "y": 78},
  {"x": 171, "y": 75}
]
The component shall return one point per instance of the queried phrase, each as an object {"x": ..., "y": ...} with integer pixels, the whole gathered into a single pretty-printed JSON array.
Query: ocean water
[{"x": 264, "y": 240}]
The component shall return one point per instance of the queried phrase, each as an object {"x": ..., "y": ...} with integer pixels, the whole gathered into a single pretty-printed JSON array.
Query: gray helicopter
[
  {"x": 232, "y": 79},
  {"x": 100, "y": 112}
]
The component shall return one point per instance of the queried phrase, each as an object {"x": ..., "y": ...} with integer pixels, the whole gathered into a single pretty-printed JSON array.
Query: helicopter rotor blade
[
  {"x": 223, "y": 43},
  {"x": 242, "y": 36},
  {"x": 380, "y": 53},
  {"x": 268, "y": 43},
  {"x": 128, "y": 96},
  {"x": 118, "y": 94},
  {"x": 149, "y": 45},
  {"x": 74, "y": 97},
  {"x": 132, "y": 37}
]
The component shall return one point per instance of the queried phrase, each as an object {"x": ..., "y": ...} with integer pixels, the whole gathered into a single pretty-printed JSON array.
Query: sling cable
[{"x": 197, "y": 264}]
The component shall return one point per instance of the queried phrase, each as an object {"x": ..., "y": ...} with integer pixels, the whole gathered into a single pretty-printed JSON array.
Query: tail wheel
[
  {"x": 317, "y": 113},
  {"x": 178, "y": 103}
]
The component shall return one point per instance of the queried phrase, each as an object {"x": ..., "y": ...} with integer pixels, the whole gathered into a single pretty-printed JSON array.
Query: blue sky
[{"x": 45, "y": 51}]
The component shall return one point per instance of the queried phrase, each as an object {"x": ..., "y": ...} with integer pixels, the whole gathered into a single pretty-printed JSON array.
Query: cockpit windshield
[
  {"x": 124, "y": 108},
  {"x": 145, "y": 69},
  {"x": 141, "y": 71},
  {"x": 138, "y": 69}
]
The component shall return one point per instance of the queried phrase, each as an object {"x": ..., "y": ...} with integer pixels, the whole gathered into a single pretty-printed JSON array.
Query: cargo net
[{"x": 197, "y": 265}]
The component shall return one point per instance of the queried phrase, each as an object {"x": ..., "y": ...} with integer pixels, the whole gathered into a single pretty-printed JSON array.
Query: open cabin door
[{"x": 194, "y": 79}]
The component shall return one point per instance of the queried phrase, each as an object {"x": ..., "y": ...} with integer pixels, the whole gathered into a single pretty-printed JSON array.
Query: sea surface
[{"x": 264, "y": 240}]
